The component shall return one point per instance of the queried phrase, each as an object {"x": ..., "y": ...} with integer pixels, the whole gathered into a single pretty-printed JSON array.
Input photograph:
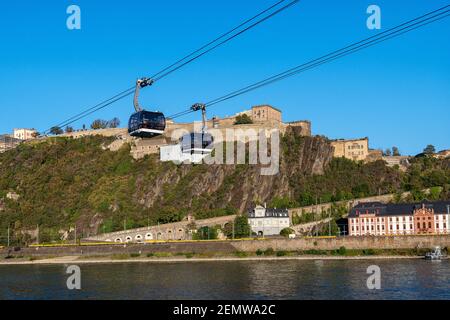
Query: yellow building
[
  {"x": 265, "y": 113},
  {"x": 356, "y": 149}
]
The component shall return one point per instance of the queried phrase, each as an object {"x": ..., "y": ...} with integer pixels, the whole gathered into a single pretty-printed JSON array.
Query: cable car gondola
[
  {"x": 145, "y": 124},
  {"x": 198, "y": 142}
]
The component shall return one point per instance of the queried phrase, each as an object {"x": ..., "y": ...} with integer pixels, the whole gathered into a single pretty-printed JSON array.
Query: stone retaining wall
[{"x": 227, "y": 247}]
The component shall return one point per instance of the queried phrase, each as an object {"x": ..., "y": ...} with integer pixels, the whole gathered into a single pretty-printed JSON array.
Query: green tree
[
  {"x": 206, "y": 233},
  {"x": 286, "y": 232},
  {"x": 241, "y": 229},
  {"x": 69, "y": 129},
  {"x": 243, "y": 119},
  {"x": 395, "y": 152},
  {"x": 326, "y": 231},
  {"x": 56, "y": 130},
  {"x": 430, "y": 149},
  {"x": 114, "y": 123},
  {"x": 99, "y": 124}
]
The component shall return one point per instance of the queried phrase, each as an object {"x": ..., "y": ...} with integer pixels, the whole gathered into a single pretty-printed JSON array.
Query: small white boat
[{"x": 435, "y": 255}]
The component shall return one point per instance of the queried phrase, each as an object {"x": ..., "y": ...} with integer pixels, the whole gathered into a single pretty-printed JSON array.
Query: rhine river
[{"x": 235, "y": 280}]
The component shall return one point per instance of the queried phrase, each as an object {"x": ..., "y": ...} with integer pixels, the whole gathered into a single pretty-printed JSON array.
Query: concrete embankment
[{"x": 218, "y": 248}]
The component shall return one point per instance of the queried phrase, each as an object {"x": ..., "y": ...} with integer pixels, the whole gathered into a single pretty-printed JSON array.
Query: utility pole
[
  {"x": 329, "y": 223},
  {"x": 37, "y": 238},
  {"x": 8, "y": 236},
  {"x": 233, "y": 230},
  {"x": 75, "y": 234}
]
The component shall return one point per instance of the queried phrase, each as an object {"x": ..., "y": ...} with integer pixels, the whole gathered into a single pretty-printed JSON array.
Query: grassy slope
[{"x": 62, "y": 182}]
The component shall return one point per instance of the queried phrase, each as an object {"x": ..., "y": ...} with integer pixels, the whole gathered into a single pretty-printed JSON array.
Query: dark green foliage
[
  {"x": 206, "y": 233},
  {"x": 282, "y": 253},
  {"x": 56, "y": 130},
  {"x": 286, "y": 232},
  {"x": 326, "y": 231},
  {"x": 243, "y": 119},
  {"x": 345, "y": 180},
  {"x": 430, "y": 149},
  {"x": 283, "y": 203}
]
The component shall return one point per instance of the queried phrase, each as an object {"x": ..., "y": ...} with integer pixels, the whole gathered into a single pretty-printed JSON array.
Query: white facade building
[
  {"x": 268, "y": 222},
  {"x": 24, "y": 134},
  {"x": 377, "y": 219}
]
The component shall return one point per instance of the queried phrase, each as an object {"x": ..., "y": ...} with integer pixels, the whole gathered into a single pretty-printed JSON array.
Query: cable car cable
[
  {"x": 158, "y": 75},
  {"x": 357, "y": 46},
  {"x": 229, "y": 39},
  {"x": 217, "y": 39}
]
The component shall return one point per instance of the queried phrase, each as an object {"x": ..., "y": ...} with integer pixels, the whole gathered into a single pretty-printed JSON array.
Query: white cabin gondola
[{"x": 198, "y": 142}]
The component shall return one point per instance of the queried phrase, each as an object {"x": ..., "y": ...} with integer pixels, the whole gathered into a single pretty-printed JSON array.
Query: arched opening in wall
[
  {"x": 129, "y": 239},
  {"x": 138, "y": 238},
  {"x": 180, "y": 234},
  {"x": 260, "y": 234},
  {"x": 149, "y": 236},
  {"x": 118, "y": 240},
  {"x": 170, "y": 235},
  {"x": 159, "y": 236}
]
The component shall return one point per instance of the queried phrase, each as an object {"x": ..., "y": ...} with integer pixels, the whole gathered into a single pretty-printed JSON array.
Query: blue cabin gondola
[{"x": 146, "y": 124}]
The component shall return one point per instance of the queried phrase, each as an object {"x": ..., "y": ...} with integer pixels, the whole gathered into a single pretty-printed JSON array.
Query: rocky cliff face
[{"x": 239, "y": 186}]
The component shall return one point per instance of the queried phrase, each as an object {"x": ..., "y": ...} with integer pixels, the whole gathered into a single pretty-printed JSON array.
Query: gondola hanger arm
[{"x": 140, "y": 83}]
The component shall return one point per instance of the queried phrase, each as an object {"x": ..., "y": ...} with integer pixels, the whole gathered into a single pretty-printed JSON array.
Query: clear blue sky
[{"x": 397, "y": 93}]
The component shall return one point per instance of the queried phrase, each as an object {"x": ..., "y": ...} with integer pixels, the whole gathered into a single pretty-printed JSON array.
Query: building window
[{"x": 429, "y": 225}]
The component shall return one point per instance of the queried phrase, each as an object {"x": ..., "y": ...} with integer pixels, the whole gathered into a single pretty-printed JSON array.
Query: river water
[{"x": 236, "y": 280}]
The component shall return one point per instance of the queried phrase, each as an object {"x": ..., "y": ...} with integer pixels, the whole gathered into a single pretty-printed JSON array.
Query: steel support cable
[{"x": 158, "y": 75}]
